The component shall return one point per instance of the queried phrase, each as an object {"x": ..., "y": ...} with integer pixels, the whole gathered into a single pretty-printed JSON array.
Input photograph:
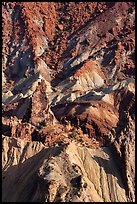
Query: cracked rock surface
[
  {"x": 68, "y": 101},
  {"x": 62, "y": 173}
]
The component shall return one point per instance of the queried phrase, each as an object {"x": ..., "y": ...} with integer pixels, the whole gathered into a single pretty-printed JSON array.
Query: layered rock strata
[{"x": 68, "y": 85}]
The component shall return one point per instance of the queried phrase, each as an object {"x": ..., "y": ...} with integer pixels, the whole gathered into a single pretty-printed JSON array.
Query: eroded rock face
[
  {"x": 68, "y": 75},
  {"x": 64, "y": 173}
]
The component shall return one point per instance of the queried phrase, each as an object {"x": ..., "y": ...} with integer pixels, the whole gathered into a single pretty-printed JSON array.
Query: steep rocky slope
[
  {"x": 68, "y": 86},
  {"x": 62, "y": 173}
]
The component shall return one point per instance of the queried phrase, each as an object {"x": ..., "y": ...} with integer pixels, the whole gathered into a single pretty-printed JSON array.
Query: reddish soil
[{"x": 56, "y": 23}]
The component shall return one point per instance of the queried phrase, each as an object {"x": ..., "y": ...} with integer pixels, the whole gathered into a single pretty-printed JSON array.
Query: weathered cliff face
[
  {"x": 68, "y": 81},
  {"x": 62, "y": 173}
]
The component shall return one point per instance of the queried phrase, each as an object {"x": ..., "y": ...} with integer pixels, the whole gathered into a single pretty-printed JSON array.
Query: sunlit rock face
[
  {"x": 68, "y": 101},
  {"x": 62, "y": 173}
]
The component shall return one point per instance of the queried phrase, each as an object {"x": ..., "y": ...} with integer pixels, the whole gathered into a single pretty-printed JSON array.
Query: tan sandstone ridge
[
  {"x": 68, "y": 101},
  {"x": 68, "y": 173}
]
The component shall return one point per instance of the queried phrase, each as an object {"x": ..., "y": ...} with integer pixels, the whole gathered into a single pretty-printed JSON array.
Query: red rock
[
  {"x": 60, "y": 26},
  {"x": 55, "y": 86},
  {"x": 52, "y": 43}
]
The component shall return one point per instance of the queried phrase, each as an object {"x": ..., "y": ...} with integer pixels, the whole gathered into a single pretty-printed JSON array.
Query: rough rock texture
[
  {"x": 68, "y": 81},
  {"x": 62, "y": 173}
]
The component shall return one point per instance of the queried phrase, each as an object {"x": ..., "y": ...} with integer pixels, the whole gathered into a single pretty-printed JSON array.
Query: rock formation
[{"x": 68, "y": 101}]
